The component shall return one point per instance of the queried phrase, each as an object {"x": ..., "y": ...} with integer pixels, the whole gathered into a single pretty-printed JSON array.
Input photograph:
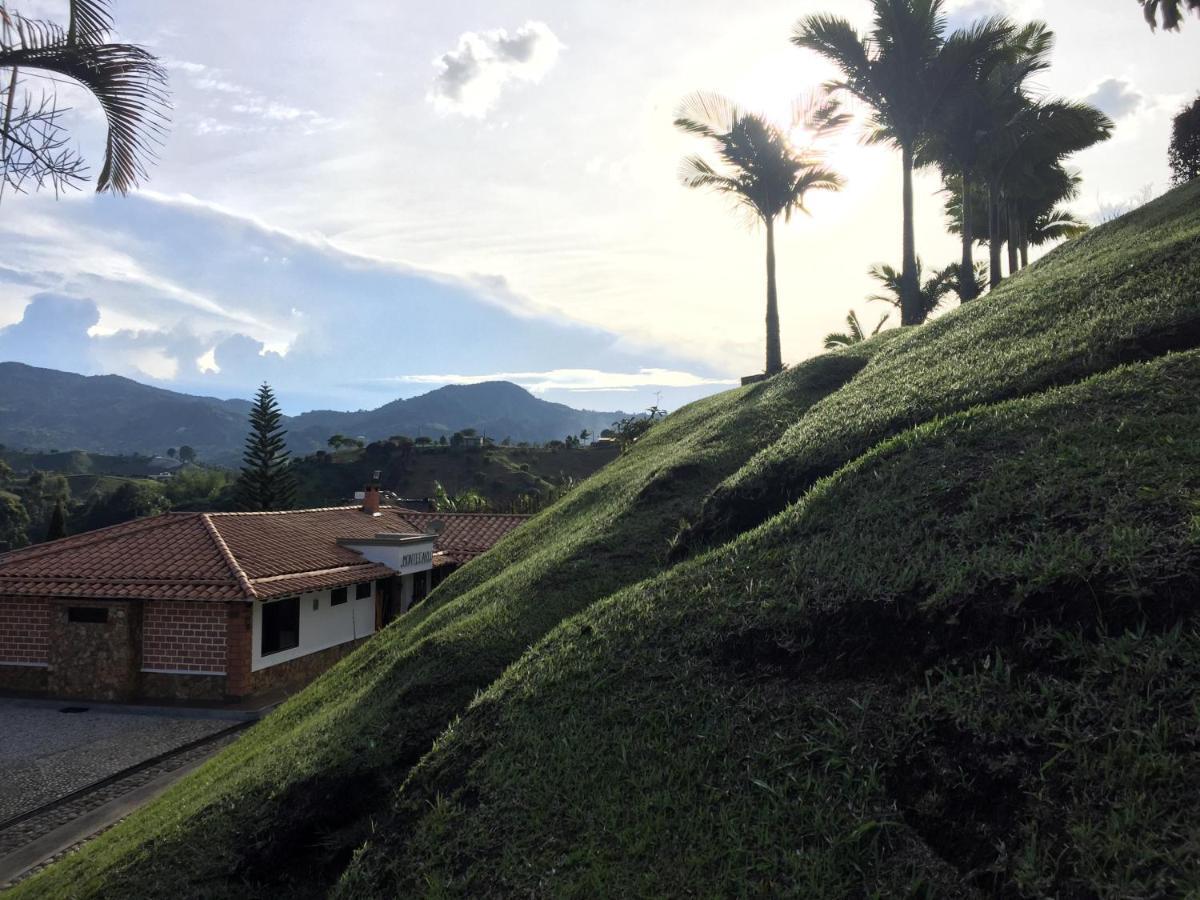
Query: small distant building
[
  {"x": 220, "y": 606},
  {"x": 473, "y": 441}
]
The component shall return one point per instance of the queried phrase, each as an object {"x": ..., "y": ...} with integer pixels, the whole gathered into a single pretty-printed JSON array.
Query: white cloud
[
  {"x": 471, "y": 77},
  {"x": 1116, "y": 97},
  {"x": 578, "y": 380}
]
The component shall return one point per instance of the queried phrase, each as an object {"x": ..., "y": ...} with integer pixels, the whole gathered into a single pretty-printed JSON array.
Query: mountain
[
  {"x": 919, "y": 618},
  {"x": 45, "y": 409},
  {"x": 497, "y": 409}
]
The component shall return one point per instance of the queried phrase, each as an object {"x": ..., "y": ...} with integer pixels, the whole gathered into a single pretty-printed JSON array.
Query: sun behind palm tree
[
  {"x": 762, "y": 170},
  {"x": 900, "y": 70}
]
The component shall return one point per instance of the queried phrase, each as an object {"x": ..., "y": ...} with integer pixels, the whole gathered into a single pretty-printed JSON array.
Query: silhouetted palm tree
[
  {"x": 1000, "y": 58},
  {"x": 901, "y": 71},
  {"x": 1026, "y": 156},
  {"x": 128, "y": 82},
  {"x": 932, "y": 290},
  {"x": 761, "y": 170},
  {"x": 854, "y": 333},
  {"x": 1171, "y": 11}
]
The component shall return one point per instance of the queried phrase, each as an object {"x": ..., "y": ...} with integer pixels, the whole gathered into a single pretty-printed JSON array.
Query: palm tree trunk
[
  {"x": 910, "y": 307},
  {"x": 966, "y": 272},
  {"x": 1024, "y": 249},
  {"x": 1013, "y": 241},
  {"x": 774, "y": 353},
  {"x": 994, "y": 273}
]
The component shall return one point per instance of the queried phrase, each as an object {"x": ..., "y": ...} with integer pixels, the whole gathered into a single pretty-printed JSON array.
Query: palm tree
[
  {"x": 933, "y": 290},
  {"x": 761, "y": 170},
  {"x": 900, "y": 70},
  {"x": 999, "y": 59},
  {"x": 1026, "y": 156},
  {"x": 1056, "y": 225},
  {"x": 127, "y": 81},
  {"x": 854, "y": 333},
  {"x": 1171, "y": 11}
]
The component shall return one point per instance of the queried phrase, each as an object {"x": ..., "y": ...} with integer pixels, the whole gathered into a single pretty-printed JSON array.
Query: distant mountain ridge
[{"x": 45, "y": 409}]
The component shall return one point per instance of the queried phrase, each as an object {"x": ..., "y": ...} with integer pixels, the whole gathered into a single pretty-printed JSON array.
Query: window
[
  {"x": 280, "y": 626},
  {"x": 337, "y": 596},
  {"x": 362, "y": 590},
  {"x": 90, "y": 615}
]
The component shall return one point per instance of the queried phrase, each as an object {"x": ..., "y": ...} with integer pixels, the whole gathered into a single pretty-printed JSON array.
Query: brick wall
[
  {"x": 240, "y": 627},
  {"x": 178, "y": 636},
  {"x": 24, "y": 630}
]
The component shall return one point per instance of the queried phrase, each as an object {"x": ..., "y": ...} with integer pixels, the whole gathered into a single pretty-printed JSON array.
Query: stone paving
[
  {"x": 29, "y": 830},
  {"x": 46, "y": 754}
]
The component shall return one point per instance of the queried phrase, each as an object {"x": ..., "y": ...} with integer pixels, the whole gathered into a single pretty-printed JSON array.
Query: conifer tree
[
  {"x": 266, "y": 482},
  {"x": 58, "y": 522}
]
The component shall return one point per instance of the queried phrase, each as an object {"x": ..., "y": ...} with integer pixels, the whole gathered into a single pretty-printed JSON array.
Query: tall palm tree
[
  {"x": 933, "y": 290},
  {"x": 1028, "y": 154},
  {"x": 999, "y": 59},
  {"x": 1171, "y": 12},
  {"x": 761, "y": 170},
  {"x": 854, "y": 333},
  {"x": 900, "y": 70},
  {"x": 127, "y": 81}
]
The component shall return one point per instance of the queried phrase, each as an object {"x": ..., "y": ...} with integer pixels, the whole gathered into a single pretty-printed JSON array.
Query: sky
[{"x": 362, "y": 201}]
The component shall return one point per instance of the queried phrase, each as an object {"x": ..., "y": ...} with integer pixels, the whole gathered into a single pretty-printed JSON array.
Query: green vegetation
[
  {"x": 950, "y": 650},
  {"x": 854, "y": 333},
  {"x": 1184, "y": 152},
  {"x": 266, "y": 482},
  {"x": 501, "y": 478}
]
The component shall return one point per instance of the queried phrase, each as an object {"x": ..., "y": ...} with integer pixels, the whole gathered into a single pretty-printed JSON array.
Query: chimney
[{"x": 371, "y": 496}]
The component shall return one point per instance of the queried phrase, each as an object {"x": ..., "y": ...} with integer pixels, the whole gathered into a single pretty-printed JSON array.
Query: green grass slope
[
  {"x": 831, "y": 706},
  {"x": 955, "y": 655},
  {"x": 284, "y": 807}
]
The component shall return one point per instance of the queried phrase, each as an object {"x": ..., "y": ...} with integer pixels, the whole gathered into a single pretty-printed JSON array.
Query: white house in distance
[{"x": 220, "y": 606}]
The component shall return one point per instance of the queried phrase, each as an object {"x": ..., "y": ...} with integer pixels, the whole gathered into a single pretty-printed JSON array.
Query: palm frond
[
  {"x": 706, "y": 114},
  {"x": 836, "y": 39},
  {"x": 128, "y": 82},
  {"x": 1172, "y": 12},
  {"x": 90, "y": 23}
]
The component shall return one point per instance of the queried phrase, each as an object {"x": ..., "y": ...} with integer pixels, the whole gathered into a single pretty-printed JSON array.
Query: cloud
[
  {"x": 249, "y": 303},
  {"x": 578, "y": 380},
  {"x": 964, "y": 12},
  {"x": 232, "y": 107},
  {"x": 471, "y": 77},
  {"x": 1116, "y": 97},
  {"x": 53, "y": 330}
]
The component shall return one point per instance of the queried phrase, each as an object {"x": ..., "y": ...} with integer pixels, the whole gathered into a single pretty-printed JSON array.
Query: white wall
[
  {"x": 322, "y": 628},
  {"x": 402, "y": 558}
]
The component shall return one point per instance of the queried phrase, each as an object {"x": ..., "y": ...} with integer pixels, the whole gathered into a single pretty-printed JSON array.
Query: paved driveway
[{"x": 46, "y": 753}]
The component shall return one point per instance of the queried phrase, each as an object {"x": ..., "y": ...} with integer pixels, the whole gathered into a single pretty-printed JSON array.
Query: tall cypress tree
[
  {"x": 266, "y": 482},
  {"x": 58, "y": 522}
]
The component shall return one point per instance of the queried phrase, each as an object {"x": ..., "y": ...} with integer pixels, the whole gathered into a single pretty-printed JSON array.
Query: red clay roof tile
[{"x": 227, "y": 556}]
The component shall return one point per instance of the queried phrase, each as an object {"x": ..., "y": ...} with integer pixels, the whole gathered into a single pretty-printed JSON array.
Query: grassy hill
[{"x": 918, "y": 619}]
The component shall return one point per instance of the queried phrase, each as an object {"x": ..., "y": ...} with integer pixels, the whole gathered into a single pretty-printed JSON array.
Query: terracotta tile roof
[
  {"x": 464, "y": 535},
  {"x": 233, "y": 556}
]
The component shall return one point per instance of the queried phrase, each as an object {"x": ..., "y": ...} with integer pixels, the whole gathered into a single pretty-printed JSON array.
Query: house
[{"x": 220, "y": 606}]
